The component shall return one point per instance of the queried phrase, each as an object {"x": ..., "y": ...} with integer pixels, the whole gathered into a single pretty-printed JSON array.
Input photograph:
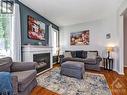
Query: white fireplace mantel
[
  {"x": 30, "y": 50},
  {"x": 35, "y": 48}
]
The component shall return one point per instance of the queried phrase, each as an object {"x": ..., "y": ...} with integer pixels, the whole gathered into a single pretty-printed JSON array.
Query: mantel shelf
[{"x": 35, "y": 46}]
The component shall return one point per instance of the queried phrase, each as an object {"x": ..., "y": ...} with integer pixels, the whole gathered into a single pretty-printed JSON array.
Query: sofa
[
  {"x": 91, "y": 59},
  {"x": 23, "y": 75}
]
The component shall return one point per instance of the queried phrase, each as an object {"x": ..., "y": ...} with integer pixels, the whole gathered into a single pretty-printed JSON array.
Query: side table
[
  {"x": 108, "y": 63},
  {"x": 57, "y": 59}
]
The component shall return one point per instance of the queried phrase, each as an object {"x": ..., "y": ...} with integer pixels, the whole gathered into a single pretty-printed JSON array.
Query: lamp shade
[
  {"x": 58, "y": 48},
  {"x": 109, "y": 49}
]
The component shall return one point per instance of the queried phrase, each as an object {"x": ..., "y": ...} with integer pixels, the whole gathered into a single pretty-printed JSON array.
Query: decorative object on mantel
[
  {"x": 39, "y": 43},
  {"x": 79, "y": 38},
  {"x": 109, "y": 50},
  {"x": 108, "y": 36},
  {"x": 36, "y": 29}
]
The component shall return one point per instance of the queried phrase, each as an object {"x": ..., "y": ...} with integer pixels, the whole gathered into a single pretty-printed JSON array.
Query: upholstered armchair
[{"x": 23, "y": 75}]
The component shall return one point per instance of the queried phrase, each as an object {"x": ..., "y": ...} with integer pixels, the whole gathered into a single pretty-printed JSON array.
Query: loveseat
[
  {"x": 91, "y": 59},
  {"x": 23, "y": 75}
]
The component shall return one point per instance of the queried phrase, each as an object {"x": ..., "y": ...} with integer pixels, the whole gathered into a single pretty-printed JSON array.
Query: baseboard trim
[{"x": 121, "y": 73}]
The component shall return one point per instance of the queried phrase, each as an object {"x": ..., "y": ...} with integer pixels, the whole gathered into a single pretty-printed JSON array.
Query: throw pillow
[
  {"x": 79, "y": 54},
  {"x": 91, "y": 55},
  {"x": 84, "y": 54},
  {"x": 73, "y": 53},
  {"x": 67, "y": 54}
]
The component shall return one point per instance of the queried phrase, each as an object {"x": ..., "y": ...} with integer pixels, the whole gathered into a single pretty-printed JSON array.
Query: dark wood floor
[{"x": 117, "y": 83}]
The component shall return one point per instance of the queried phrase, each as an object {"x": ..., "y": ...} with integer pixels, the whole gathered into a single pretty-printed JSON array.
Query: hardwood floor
[
  {"x": 42, "y": 91},
  {"x": 117, "y": 83}
]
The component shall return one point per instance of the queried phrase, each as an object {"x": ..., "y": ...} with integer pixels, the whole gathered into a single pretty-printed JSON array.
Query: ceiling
[{"x": 69, "y": 12}]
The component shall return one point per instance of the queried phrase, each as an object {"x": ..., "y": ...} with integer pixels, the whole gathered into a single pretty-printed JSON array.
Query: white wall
[{"x": 98, "y": 30}]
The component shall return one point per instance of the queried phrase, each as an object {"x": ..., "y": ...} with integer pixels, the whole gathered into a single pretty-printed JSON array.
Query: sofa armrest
[
  {"x": 98, "y": 59},
  {"x": 14, "y": 84},
  {"x": 22, "y": 66}
]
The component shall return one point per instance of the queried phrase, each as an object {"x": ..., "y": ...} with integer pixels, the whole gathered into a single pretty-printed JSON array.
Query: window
[
  {"x": 5, "y": 34},
  {"x": 55, "y": 41}
]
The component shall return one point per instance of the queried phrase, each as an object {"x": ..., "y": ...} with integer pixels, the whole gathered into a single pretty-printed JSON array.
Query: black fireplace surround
[{"x": 43, "y": 61}]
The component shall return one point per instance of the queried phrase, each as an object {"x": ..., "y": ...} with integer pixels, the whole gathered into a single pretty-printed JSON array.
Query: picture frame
[
  {"x": 108, "y": 36},
  {"x": 79, "y": 38},
  {"x": 36, "y": 29}
]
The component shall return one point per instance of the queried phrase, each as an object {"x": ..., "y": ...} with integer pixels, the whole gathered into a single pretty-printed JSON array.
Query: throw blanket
[{"x": 5, "y": 84}]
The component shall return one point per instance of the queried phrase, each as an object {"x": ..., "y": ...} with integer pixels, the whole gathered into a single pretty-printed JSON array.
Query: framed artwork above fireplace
[{"x": 36, "y": 29}]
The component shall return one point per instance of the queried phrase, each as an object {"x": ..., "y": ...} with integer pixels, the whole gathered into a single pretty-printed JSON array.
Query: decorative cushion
[
  {"x": 84, "y": 54},
  {"x": 73, "y": 53},
  {"x": 67, "y": 54},
  {"x": 79, "y": 54},
  {"x": 91, "y": 55}
]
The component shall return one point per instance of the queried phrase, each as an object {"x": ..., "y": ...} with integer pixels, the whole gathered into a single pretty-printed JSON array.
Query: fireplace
[
  {"x": 43, "y": 61},
  {"x": 40, "y": 54}
]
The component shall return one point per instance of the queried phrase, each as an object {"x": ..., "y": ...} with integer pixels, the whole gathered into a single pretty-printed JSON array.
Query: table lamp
[{"x": 109, "y": 50}]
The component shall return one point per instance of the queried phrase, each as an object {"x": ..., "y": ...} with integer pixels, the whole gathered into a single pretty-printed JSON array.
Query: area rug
[{"x": 92, "y": 84}]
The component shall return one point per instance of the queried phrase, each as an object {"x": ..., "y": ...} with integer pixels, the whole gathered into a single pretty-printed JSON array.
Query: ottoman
[{"x": 73, "y": 69}]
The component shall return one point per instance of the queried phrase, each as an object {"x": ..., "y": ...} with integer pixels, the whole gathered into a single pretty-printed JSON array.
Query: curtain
[
  {"x": 50, "y": 36},
  {"x": 16, "y": 35},
  {"x": 53, "y": 39}
]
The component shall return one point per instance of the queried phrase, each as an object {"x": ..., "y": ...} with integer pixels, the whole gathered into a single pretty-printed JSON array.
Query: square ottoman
[{"x": 73, "y": 69}]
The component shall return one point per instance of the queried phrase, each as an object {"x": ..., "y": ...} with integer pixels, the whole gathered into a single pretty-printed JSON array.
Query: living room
[{"x": 63, "y": 47}]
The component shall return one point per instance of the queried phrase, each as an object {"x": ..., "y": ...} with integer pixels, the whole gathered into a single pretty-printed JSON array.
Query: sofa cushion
[
  {"x": 73, "y": 59},
  {"x": 24, "y": 78},
  {"x": 84, "y": 54},
  {"x": 79, "y": 54},
  {"x": 73, "y": 53},
  {"x": 5, "y": 64},
  {"x": 90, "y": 61},
  {"x": 67, "y": 54}
]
